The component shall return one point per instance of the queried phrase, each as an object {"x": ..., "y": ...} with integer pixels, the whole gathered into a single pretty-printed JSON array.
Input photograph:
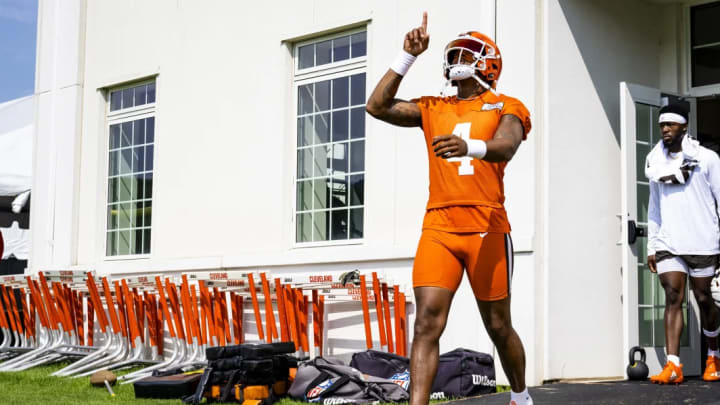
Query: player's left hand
[{"x": 449, "y": 146}]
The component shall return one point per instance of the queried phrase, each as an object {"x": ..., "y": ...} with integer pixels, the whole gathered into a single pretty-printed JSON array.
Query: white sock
[
  {"x": 714, "y": 353},
  {"x": 674, "y": 359},
  {"x": 521, "y": 398}
]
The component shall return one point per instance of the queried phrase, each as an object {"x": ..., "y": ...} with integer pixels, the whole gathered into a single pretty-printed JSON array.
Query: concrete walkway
[{"x": 692, "y": 391}]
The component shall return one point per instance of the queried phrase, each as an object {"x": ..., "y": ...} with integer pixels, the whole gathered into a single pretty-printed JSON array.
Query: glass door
[{"x": 643, "y": 296}]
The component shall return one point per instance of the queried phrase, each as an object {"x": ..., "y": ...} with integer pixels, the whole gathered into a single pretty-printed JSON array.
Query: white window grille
[
  {"x": 131, "y": 147},
  {"x": 330, "y": 176}
]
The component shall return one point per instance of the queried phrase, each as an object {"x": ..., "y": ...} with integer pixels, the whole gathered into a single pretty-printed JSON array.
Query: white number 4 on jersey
[{"x": 466, "y": 168}]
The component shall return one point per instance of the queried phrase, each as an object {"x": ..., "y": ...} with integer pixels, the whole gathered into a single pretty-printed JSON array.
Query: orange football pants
[{"x": 487, "y": 257}]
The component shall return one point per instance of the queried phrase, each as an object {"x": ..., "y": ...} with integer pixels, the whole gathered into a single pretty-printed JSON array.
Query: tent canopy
[{"x": 16, "y": 137}]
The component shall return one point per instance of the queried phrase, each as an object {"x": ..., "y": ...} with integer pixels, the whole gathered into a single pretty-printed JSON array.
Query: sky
[{"x": 18, "y": 31}]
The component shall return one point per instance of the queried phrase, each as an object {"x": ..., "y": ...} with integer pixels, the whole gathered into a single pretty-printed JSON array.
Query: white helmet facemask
[{"x": 461, "y": 70}]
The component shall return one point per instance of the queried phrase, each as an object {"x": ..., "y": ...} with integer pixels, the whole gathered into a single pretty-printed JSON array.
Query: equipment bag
[
  {"x": 168, "y": 387},
  {"x": 461, "y": 372},
  {"x": 379, "y": 364},
  {"x": 264, "y": 366},
  {"x": 464, "y": 373},
  {"x": 281, "y": 367},
  {"x": 250, "y": 351},
  {"x": 225, "y": 373},
  {"x": 330, "y": 382}
]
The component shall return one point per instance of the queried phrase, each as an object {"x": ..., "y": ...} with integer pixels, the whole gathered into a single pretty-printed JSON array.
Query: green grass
[{"x": 37, "y": 386}]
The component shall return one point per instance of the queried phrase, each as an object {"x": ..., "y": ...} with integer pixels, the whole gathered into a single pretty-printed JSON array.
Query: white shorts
[{"x": 678, "y": 264}]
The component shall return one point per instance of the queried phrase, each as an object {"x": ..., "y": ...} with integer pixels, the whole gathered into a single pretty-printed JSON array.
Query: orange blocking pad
[
  {"x": 321, "y": 321},
  {"x": 316, "y": 321},
  {"x": 251, "y": 392},
  {"x": 256, "y": 307},
  {"x": 282, "y": 315},
  {"x": 292, "y": 320},
  {"x": 270, "y": 327},
  {"x": 379, "y": 309},
  {"x": 398, "y": 333},
  {"x": 366, "y": 312},
  {"x": 402, "y": 338},
  {"x": 388, "y": 321},
  {"x": 302, "y": 306}
]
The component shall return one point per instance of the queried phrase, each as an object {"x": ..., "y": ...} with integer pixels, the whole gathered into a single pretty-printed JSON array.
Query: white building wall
[
  {"x": 58, "y": 88},
  {"x": 591, "y": 47},
  {"x": 518, "y": 38},
  {"x": 672, "y": 58}
]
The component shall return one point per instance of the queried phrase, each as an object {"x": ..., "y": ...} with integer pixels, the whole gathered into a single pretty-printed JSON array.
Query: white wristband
[
  {"x": 402, "y": 63},
  {"x": 476, "y": 148}
]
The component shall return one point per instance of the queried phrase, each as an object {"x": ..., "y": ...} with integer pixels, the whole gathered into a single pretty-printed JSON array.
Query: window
[
  {"x": 131, "y": 141},
  {"x": 705, "y": 44},
  {"x": 330, "y": 176}
]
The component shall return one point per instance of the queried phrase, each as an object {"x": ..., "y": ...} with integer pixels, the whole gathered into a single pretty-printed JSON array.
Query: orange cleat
[
  {"x": 671, "y": 374},
  {"x": 712, "y": 368}
]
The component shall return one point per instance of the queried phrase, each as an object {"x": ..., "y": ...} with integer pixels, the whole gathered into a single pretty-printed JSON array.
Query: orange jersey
[{"x": 467, "y": 194}]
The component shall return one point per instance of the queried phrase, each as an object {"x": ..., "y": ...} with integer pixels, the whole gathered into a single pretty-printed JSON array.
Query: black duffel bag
[
  {"x": 464, "y": 373},
  {"x": 166, "y": 387},
  {"x": 379, "y": 364},
  {"x": 461, "y": 372}
]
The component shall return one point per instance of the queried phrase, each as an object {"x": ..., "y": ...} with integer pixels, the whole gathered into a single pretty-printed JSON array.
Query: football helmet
[
  {"x": 350, "y": 278},
  {"x": 473, "y": 55}
]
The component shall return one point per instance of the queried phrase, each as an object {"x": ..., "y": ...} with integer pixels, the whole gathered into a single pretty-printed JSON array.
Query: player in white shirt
[{"x": 684, "y": 234}]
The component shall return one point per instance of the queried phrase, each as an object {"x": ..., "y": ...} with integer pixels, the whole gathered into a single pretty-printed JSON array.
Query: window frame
[
  {"x": 300, "y": 77},
  {"x": 118, "y": 117},
  {"x": 695, "y": 91},
  {"x": 297, "y": 72}
]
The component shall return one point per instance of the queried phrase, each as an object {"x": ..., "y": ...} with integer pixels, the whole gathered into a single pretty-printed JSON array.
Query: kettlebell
[{"x": 637, "y": 369}]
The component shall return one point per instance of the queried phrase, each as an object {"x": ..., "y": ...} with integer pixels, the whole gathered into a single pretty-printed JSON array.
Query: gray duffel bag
[{"x": 330, "y": 382}]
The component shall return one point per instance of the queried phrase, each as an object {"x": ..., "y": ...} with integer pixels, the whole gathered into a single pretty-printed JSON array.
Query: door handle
[{"x": 635, "y": 231}]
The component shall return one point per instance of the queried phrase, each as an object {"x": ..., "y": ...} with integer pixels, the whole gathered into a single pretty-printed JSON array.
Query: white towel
[{"x": 664, "y": 167}]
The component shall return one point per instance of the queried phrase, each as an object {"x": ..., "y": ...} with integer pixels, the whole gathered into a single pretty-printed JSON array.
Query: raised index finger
[{"x": 424, "y": 21}]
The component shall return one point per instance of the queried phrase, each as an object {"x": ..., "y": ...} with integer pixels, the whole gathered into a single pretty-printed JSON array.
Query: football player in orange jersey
[{"x": 470, "y": 138}]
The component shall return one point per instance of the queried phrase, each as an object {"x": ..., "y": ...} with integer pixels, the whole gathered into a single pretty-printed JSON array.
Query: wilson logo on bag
[
  {"x": 437, "y": 395},
  {"x": 482, "y": 380}
]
